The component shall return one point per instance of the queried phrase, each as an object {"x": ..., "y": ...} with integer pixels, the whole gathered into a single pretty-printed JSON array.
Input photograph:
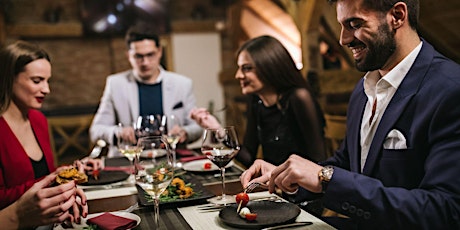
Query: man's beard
[{"x": 379, "y": 50}]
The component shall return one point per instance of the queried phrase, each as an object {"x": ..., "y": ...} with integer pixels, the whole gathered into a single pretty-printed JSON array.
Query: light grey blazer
[{"x": 120, "y": 104}]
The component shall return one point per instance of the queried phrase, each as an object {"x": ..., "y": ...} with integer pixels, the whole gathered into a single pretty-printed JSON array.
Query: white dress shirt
[{"x": 381, "y": 89}]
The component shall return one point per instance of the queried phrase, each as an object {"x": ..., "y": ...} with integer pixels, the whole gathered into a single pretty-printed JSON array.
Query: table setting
[{"x": 195, "y": 191}]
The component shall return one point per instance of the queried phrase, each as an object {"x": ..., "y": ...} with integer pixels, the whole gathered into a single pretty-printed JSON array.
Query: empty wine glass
[
  {"x": 173, "y": 125},
  {"x": 220, "y": 146},
  {"x": 149, "y": 125},
  {"x": 155, "y": 176}
]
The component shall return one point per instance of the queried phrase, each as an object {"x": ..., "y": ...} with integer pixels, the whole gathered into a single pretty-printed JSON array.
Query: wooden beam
[
  {"x": 2, "y": 29},
  {"x": 307, "y": 15},
  {"x": 63, "y": 29}
]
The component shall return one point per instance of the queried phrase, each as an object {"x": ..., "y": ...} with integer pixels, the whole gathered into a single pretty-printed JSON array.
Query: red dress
[{"x": 16, "y": 172}]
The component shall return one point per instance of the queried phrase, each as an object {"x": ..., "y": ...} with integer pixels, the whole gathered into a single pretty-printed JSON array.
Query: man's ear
[{"x": 399, "y": 15}]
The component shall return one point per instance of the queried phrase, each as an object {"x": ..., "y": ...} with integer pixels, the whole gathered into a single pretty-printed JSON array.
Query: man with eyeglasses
[{"x": 146, "y": 89}]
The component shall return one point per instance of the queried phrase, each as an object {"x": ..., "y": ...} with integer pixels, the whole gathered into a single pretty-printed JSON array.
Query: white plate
[
  {"x": 198, "y": 166},
  {"x": 153, "y": 154},
  {"x": 83, "y": 222}
]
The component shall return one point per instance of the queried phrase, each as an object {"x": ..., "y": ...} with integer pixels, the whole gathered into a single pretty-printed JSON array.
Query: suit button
[
  {"x": 359, "y": 212},
  {"x": 345, "y": 206},
  {"x": 352, "y": 209},
  {"x": 367, "y": 215}
]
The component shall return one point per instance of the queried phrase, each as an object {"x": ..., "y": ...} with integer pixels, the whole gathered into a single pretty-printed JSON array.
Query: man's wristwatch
[{"x": 325, "y": 175}]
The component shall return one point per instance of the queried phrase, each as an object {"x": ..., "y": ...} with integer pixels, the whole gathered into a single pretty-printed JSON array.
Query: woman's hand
[
  {"x": 204, "y": 118},
  {"x": 88, "y": 164},
  {"x": 42, "y": 205}
]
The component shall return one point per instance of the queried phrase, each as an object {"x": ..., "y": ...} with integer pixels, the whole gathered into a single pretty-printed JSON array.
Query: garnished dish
[
  {"x": 258, "y": 214},
  {"x": 242, "y": 199},
  {"x": 181, "y": 192},
  {"x": 177, "y": 190}
]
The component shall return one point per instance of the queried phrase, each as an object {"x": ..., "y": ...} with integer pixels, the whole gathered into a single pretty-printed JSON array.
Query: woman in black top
[{"x": 283, "y": 117}]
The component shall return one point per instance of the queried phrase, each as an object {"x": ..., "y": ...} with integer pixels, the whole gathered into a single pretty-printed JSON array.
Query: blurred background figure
[{"x": 146, "y": 89}]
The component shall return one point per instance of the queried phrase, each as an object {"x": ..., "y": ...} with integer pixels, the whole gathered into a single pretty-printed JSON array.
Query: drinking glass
[
  {"x": 220, "y": 146},
  {"x": 130, "y": 150},
  {"x": 172, "y": 134},
  {"x": 149, "y": 125},
  {"x": 155, "y": 176}
]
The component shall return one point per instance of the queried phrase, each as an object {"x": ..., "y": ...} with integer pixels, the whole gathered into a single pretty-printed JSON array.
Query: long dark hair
[
  {"x": 273, "y": 64},
  {"x": 13, "y": 59}
]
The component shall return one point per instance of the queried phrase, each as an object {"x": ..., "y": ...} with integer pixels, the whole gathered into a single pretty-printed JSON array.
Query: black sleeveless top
[{"x": 40, "y": 167}]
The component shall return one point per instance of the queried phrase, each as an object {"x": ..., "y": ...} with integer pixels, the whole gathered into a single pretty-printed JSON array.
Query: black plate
[
  {"x": 204, "y": 194},
  {"x": 107, "y": 177},
  {"x": 269, "y": 213}
]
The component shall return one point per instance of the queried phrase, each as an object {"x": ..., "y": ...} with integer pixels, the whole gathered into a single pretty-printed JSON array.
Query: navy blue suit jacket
[{"x": 413, "y": 188}]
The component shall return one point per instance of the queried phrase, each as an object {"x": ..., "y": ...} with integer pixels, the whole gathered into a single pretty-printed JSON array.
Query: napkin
[
  {"x": 108, "y": 221},
  {"x": 184, "y": 152},
  {"x": 192, "y": 158}
]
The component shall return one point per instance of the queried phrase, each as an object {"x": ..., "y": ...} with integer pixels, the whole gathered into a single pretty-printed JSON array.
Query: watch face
[{"x": 327, "y": 173}]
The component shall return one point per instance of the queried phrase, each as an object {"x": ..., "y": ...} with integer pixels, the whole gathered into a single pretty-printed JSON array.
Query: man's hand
[
  {"x": 260, "y": 171},
  {"x": 294, "y": 172}
]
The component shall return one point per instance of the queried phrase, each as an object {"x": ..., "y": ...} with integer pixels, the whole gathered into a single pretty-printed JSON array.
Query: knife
[{"x": 296, "y": 224}]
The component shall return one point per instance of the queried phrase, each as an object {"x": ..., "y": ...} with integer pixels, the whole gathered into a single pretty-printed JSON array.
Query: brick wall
[{"x": 81, "y": 64}]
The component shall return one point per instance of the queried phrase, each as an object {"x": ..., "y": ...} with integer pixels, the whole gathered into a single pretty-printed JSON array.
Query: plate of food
[
  {"x": 153, "y": 153},
  {"x": 259, "y": 214},
  {"x": 127, "y": 219},
  {"x": 203, "y": 165},
  {"x": 183, "y": 191}
]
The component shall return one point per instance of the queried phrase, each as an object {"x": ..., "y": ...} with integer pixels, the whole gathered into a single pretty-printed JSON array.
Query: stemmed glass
[
  {"x": 149, "y": 125},
  {"x": 220, "y": 146},
  {"x": 130, "y": 150},
  {"x": 173, "y": 125},
  {"x": 155, "y": 176}
]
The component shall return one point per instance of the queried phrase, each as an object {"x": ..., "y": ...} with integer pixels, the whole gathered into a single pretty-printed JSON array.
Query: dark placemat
[
  {"x": 107, "y": 177},
  {"x": 117, "y": 161},
  {"x": 231, "y": 173}
]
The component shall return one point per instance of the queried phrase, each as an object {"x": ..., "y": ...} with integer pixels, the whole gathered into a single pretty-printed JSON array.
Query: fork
[{"x": 250, "y": 187}]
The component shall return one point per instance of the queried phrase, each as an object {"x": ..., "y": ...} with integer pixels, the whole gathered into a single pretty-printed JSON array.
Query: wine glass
[
  {"x": 220, "y": 146},
  {"x": 130, "y": 150},
  {"x": 172, "y": 133},
  {"x": 155, "y": 176},
  {"x": 149, "y": 125}
]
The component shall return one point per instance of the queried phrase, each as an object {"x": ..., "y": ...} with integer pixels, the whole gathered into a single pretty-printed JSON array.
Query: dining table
[{"x": 125, "y": 196}]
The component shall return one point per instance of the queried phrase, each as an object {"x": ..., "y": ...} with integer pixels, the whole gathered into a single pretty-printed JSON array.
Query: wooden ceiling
[{"x": 440, "y": 25}]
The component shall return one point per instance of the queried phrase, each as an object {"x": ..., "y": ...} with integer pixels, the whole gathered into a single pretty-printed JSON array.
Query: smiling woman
[{"x": 25, "y": 151}]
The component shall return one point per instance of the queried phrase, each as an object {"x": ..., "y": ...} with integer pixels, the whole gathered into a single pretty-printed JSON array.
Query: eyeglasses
[{"x": 147, "y": 56}]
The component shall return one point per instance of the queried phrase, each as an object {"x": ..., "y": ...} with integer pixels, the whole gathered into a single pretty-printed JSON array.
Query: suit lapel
[
  {"x": 408, "y": 88},
  {"x": 354, "y": 117},
  {"x": 168, "y": 94},
  {"x": 133, "y": 98}
]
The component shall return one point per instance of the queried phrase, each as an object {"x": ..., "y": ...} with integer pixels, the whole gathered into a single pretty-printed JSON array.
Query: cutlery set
[{"x": 218, "y": 207}]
